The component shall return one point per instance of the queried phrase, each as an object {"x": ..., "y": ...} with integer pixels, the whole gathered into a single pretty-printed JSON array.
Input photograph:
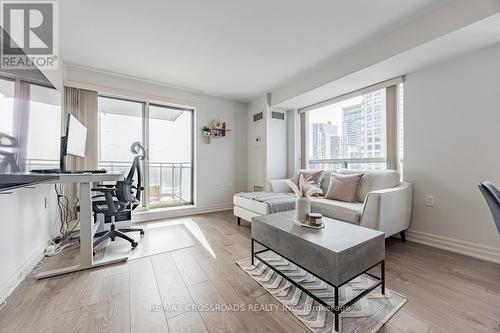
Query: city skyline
[{"x": 354, "y": 128}]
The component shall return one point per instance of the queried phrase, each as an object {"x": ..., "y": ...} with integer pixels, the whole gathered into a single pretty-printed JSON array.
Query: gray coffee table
[{"x": 336, "y": 254}]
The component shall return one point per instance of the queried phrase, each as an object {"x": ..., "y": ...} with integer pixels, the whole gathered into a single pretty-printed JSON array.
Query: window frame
[
  {"x": 304, "y": 124},
  {"x": 17, "y": 80},
  {"x": 145, "y": 140}
]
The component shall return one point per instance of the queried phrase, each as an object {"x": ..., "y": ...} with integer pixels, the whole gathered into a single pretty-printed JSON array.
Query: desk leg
[
  {"x": 336, "y": 303},
  {"x": 86, "y": 238},
  {"x": 86, "y": 246}
]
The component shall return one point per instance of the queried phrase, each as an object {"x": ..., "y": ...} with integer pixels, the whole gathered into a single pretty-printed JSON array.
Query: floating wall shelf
[{"x": 215, "y": 132}]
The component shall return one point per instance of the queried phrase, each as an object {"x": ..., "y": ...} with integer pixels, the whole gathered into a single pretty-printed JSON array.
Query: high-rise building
[
  {"x": 352, "y": 130},
  {"x": 324, "y": 140},
  {"x": 375, "y": 128},
  {"x": 364, "y": 127}
]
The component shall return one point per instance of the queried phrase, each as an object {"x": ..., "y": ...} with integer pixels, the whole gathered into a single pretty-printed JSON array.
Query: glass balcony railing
[
  {"x": 378, "y": 163},
  {"x": 170, "y": 184}
]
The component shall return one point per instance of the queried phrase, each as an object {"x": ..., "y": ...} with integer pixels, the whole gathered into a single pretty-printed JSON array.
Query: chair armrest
[
  {"x": 388, "y": 210},
  {"x": 279, "y": 186},
  {"x": 104, "y": 190}
]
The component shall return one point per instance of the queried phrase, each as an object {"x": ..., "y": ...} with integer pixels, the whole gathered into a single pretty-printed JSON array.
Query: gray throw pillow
[{"x": 312, "y": 176}]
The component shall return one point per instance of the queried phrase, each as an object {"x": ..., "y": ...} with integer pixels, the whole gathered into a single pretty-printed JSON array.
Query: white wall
[
  {"x": 293, "y": 142},
  {"x": 452, "y": 121},
  {"x": 220, "y": 166},
  {"x": 277, "y": 150},
  {"x": 256, "y": 144},
  {"x": 267, "y": 151},
  {"x": 26, "y": 228}
]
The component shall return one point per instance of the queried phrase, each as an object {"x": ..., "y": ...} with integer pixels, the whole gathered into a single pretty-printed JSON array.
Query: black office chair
[
  {"x": 492, "y": 196},
  {"x": 119, "y": 199}
]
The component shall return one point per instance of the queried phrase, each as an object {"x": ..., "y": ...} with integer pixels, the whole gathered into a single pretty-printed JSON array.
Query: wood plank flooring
[{"x": 447, "y": 292}]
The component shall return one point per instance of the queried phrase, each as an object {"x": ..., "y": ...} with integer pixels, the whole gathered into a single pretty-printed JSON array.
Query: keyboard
[{"x": 70, "y": 172}]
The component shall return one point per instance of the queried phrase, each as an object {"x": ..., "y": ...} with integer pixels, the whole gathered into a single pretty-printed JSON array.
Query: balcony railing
[
  {"x": 376, "y": 163},
  {"x": 169, "y": 183},
  {"x": 41, "y": 164}
]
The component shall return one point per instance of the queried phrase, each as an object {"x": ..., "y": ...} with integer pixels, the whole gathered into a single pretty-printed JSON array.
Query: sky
[
  {"x": 169, "y": 141},
  {"x": 332, "y": 112}
]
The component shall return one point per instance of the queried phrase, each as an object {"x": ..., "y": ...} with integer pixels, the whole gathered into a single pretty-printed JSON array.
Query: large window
[
  {"x": 170, "y": 155},
  {"x": 30, "y": 130},
  {"x": 348, "y": 134},
  {"x": 167, "y": 134},
  {"x": 44, "y": 132}
]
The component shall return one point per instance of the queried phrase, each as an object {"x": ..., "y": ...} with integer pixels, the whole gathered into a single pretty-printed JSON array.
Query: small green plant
[{"x": 205, "y": 129}]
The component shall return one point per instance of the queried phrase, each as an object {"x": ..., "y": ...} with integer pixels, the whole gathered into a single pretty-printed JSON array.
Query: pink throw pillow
[{"x": 344, "y": 187}]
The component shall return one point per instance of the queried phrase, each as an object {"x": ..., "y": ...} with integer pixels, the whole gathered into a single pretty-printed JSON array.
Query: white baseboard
[
  {"x": 479, "y": 251},
  {"x": 167, "y": 213},
  {"x": 10, "y": 283}
]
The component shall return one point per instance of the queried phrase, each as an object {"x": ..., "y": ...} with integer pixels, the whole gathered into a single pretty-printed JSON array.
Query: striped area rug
[{"x": 365, "y": 316}]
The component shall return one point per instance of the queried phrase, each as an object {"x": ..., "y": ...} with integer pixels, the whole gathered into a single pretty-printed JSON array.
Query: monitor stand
[{"x": 63, "y": 155}]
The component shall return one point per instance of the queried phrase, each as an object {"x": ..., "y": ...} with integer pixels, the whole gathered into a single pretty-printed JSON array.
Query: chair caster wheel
[
  {"x": 134, "y": 244},
  {"x": 142, "y": 233},
  {"x": 93, "y": 253}
]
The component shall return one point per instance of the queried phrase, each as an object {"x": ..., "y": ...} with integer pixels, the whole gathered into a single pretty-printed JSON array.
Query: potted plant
[
  {"x": 304, "y": 190},
  {"x": 205, "y": 130}
]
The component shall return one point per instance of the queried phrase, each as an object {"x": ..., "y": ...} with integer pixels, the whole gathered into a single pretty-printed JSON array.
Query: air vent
[
  {"x": 278, "y": 115},
  {"x": 257, "y": 116}
]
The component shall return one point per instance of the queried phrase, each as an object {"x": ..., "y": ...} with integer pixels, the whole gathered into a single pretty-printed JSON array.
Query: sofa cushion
[
  {"x": 344, "y": 211},
  {"x": 374, "y": 180},
  {"x": 313, "y": 178},
  {"x": 344, "y": 187},
  {"x": 325, "y": 182}
]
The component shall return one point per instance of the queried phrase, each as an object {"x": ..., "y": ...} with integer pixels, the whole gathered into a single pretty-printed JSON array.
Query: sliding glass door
[
  {"x": 167, "y": 134},
  {"x": 120, "y": 125},
  {"x": 170, "y": 155}
]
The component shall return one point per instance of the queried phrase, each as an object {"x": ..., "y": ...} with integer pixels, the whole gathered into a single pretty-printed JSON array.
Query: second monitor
[{"x": 74, "y": 142}]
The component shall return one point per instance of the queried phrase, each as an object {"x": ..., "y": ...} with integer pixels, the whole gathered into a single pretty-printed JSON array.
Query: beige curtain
[
  {"x": 392, "y": 128},
  {"x": 82, "y": 104}
]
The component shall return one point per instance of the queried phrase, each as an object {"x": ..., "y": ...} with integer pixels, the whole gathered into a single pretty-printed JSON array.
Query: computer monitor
[
  {"x": 76, "y": 137},
  {"x": 74, "y": 141}
]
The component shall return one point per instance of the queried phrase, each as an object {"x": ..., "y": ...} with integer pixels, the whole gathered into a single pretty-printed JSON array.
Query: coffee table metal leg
[
  {"x": 382, "y": 276},
  {"x": 252, "y": 251},
  {"x": 336, "y": 290}
]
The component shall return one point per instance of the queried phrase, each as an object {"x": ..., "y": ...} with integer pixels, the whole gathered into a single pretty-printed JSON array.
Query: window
[
  {"x": 120, "y": 125},
  {"x": 170, "y": 155},
  {"x": 8, "y": 157},
  {"x": 7, "y": 106},
  {"x": 340, "y": 135},
  {"x": 166, "y": 133},
  {"x": 44, "y": 131},
  {"x": 30, "y": 132}
]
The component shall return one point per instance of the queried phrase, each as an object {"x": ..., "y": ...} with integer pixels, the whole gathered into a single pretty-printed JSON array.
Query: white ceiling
[{"x": 232, "y": 48}]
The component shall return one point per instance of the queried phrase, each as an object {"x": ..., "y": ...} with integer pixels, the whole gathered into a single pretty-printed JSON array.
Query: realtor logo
[{"x": 29, "y": 34}]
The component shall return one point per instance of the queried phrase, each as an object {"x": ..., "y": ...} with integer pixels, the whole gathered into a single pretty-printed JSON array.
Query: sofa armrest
[
  {"x": 279, "y": 186},
  {"x": 388, "y": 210}
]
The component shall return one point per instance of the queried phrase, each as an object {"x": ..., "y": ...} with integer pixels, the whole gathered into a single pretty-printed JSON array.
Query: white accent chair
[{"x": 383, "y": 202}]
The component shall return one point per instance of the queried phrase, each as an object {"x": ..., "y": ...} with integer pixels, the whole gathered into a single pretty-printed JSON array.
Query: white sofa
[{"x": 383, "y": 202}]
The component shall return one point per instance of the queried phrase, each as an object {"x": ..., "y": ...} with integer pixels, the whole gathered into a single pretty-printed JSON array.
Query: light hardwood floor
[{"x": 447, "y": 292}]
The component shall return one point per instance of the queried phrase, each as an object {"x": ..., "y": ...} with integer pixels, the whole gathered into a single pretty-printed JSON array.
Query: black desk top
[
  {"x": 13, "y": 181},
  {"x": 10, "y": 181}
]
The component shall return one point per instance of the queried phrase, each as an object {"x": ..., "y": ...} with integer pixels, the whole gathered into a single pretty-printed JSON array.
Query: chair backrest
[
  {"x": 492, "y": 196},
  {"x": 126, "y": 190}
]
